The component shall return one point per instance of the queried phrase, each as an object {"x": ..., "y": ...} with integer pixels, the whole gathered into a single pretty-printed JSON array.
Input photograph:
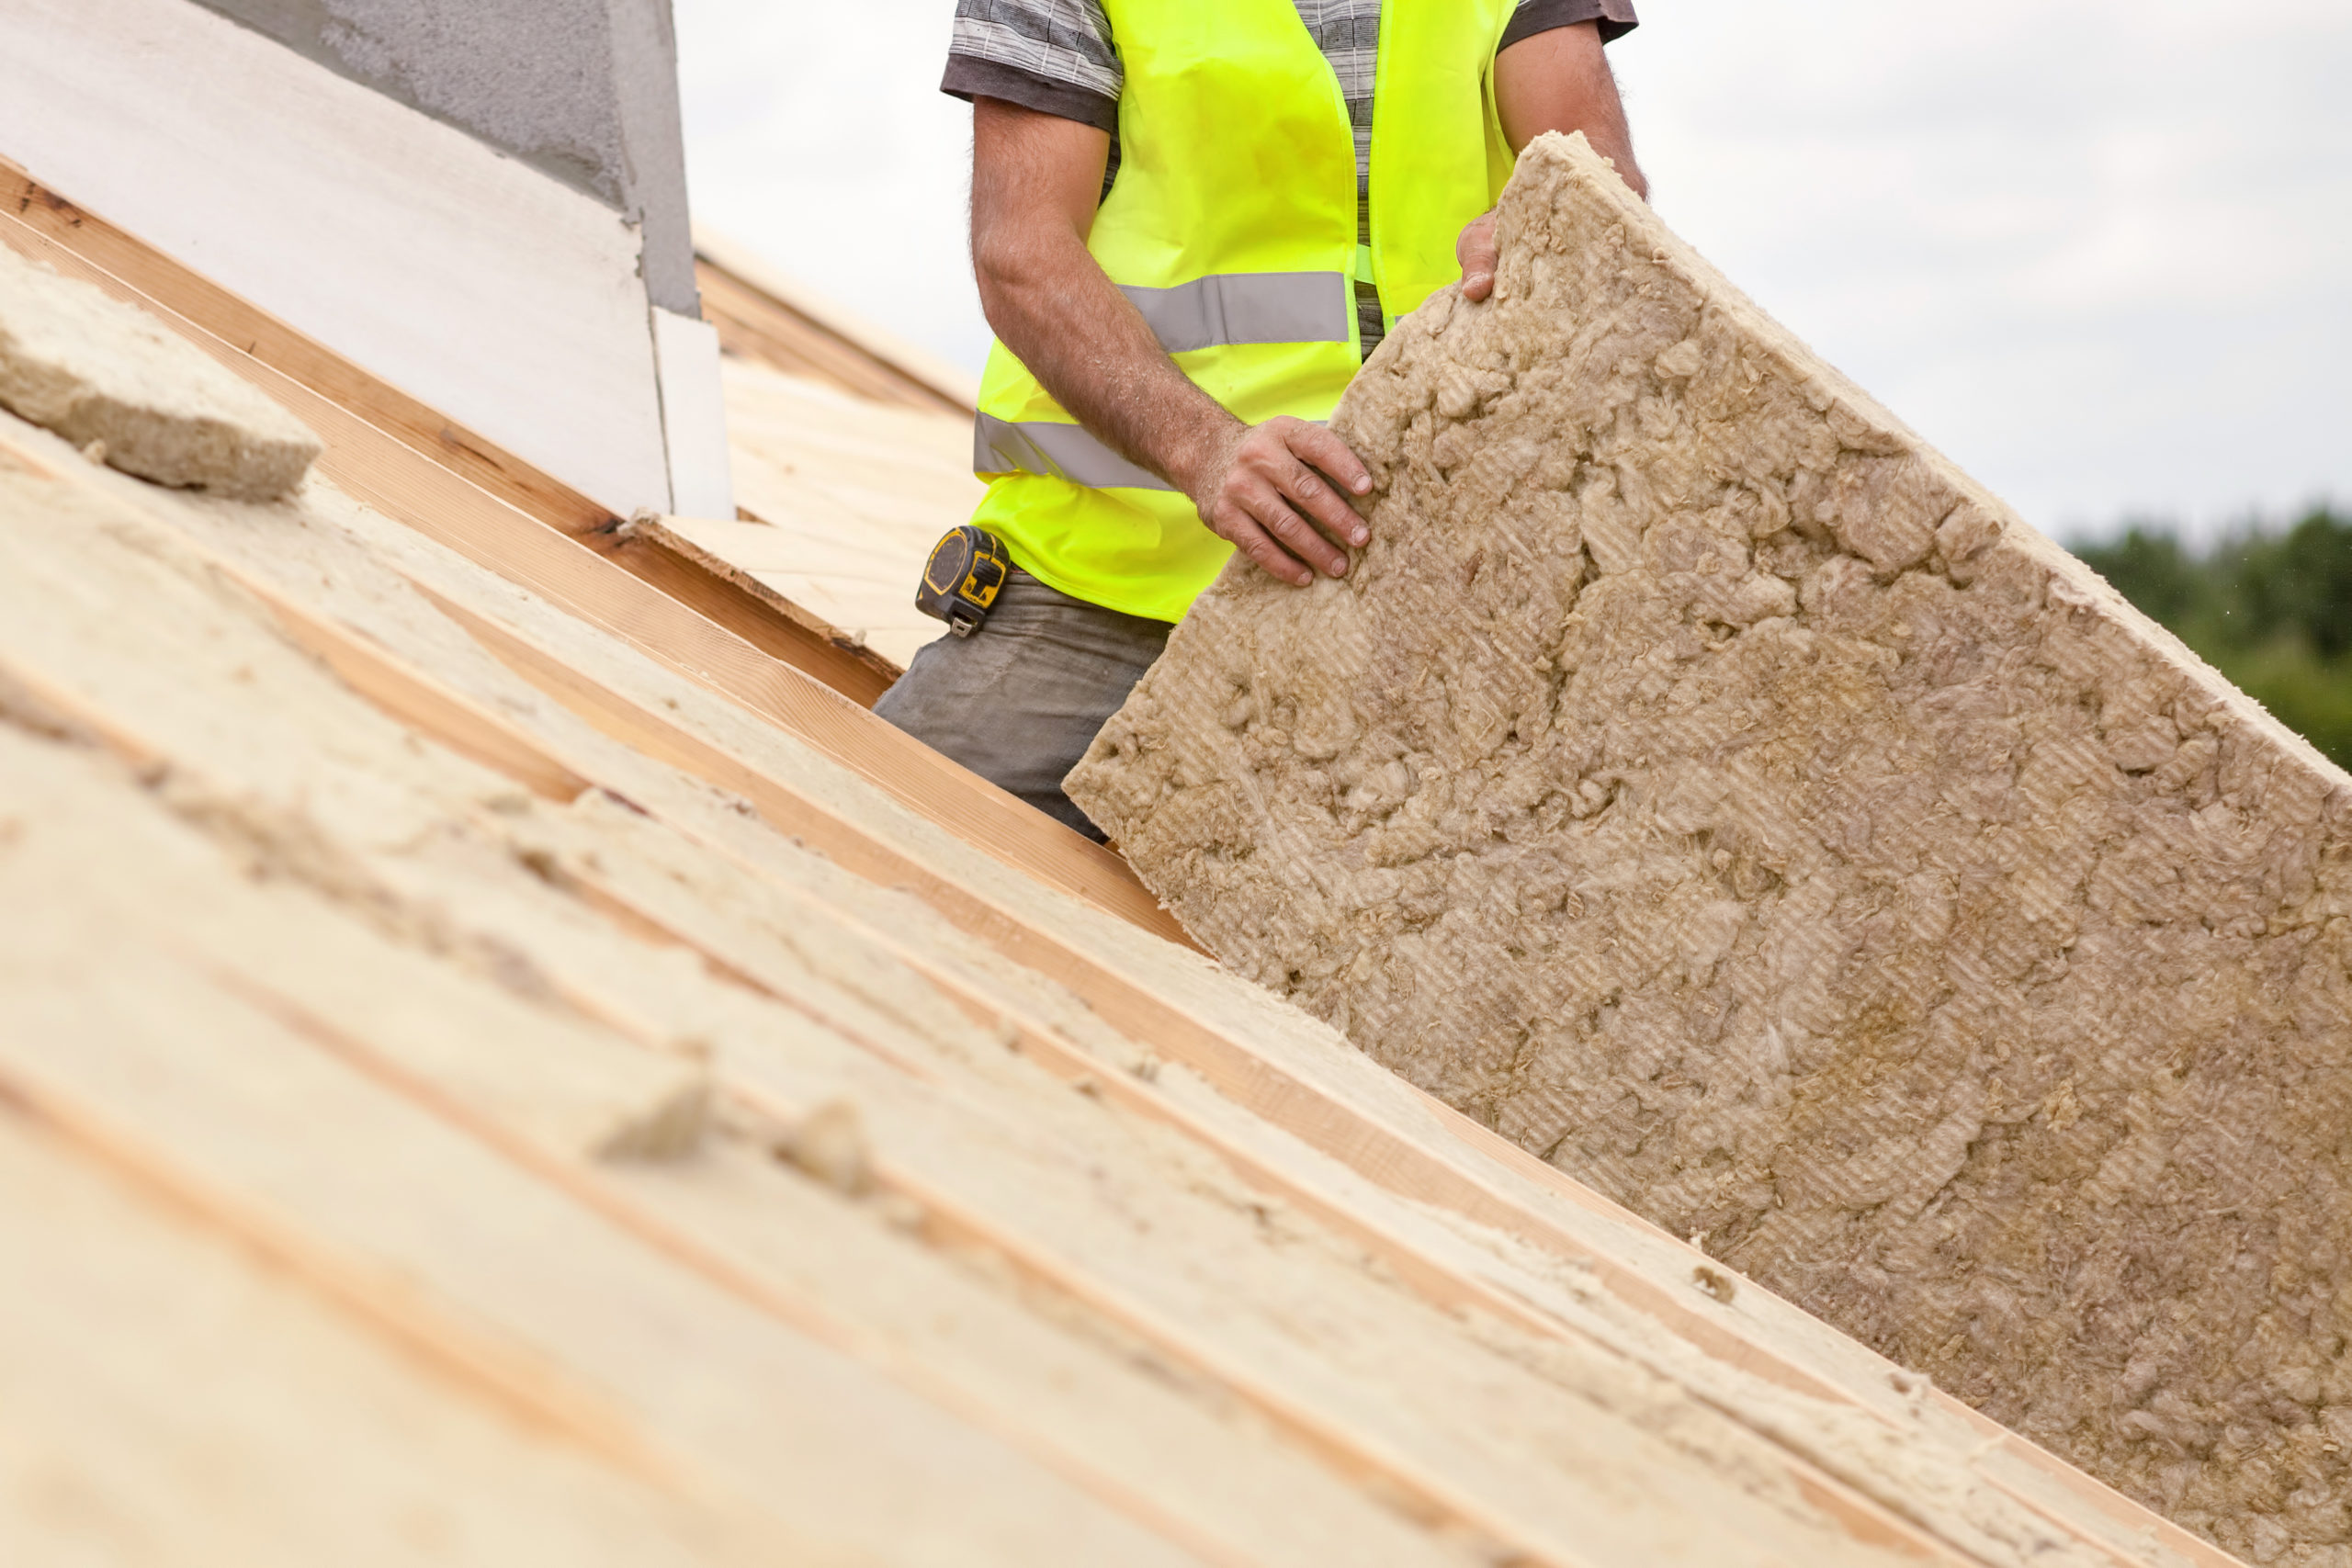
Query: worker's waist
[
  {"x": 1142, "y": 553},
  {"x": 1030, "y": 606}
]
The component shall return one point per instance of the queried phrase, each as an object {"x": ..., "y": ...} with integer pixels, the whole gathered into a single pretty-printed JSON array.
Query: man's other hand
[
  {"x": 1556, "y": 80},
  {"x": 1275, "y": 492},
  {"x": 1475, "y": 252}
]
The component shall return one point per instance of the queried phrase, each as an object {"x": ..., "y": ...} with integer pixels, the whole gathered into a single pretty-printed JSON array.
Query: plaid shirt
[{"x": 1057, "y": 56}]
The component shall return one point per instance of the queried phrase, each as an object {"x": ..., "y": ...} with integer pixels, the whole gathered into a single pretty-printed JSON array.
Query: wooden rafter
[
  {"x": 764, "y": 317},
  {"x": 694, "y": 576}
]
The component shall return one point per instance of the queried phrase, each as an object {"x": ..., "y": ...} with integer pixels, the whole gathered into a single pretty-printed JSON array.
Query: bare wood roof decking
[{"x": 502, "y": 1066}]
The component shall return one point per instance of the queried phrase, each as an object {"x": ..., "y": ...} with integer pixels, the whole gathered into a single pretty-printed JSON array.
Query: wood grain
[{"x": 725, "y": 593}]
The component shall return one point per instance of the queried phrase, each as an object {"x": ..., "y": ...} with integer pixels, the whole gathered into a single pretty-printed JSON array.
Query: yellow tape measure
[{"x": 961, "y": 580}]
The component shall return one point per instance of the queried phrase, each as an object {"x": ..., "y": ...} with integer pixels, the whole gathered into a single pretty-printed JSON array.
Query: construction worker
[{"x": 1174, "y": 204}]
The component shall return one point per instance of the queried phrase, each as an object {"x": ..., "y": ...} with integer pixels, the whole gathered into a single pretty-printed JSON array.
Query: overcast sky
[{"x": 2098, "y": 251}]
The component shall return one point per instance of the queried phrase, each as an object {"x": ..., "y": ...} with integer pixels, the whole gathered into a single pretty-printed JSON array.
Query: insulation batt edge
[
  {"x": 106, "y": 377},
  {"x": 1705, "y": 785}
]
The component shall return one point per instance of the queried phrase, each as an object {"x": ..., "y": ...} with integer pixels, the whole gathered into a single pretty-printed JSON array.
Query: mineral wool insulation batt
[
  {"x": 110, "y": 379},
  {"x": 1701, "y": 782}
]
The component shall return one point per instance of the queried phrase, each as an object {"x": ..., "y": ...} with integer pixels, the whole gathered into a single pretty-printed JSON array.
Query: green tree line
[{"x": 2270, "y": 608}]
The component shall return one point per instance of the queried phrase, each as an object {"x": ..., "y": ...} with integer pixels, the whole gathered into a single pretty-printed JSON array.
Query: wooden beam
[
  {"x": 1418, "y": 1172},
  {"x": 286, "y": 1384},
  {"x": 1329, "y": 1125},
  {"x": 725, "y": 593},
  {"x": 421, "y": 702},
  {"x": 947, "y": 1222},
  {"x": 465, "y": 727},
  {"x": 818, "y": 1320},
  {"x": 284, "y": 1092},
  {"x": 753, "y": 326},
  {"x": 354, "y": 1037}
]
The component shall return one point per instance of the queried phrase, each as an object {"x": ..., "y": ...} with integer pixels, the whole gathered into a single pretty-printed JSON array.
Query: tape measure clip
[{"x": 960, "y": 581}]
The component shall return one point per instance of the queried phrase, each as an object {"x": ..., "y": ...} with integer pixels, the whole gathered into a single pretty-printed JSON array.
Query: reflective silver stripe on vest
[
  {"x": 1247, "y": 307},
  {"x": 1062, "y": 451}
]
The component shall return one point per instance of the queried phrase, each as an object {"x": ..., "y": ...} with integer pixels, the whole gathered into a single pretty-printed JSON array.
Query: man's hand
[
  {"x": 1035, "y": 181},
  {"x": 1475, "y": 252},
  {"x": 1554, "y": 80},
  {"x": 1257, "y": 487}
]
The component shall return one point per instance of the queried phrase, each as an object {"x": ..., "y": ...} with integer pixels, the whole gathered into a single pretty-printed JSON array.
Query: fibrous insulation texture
[
  {"x": 108, "y": 377},
  {"x": 1705, "y": 785}
]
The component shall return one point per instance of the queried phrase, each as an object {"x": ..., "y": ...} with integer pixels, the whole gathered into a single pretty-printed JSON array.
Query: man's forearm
[
  {"x": 1268, "y": 489},
  {"x": 1088, "y": 345},
  {"x": 1560, "y": 80}
]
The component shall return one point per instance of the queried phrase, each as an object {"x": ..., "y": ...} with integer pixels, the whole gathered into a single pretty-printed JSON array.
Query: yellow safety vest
[{"x": 1232, "y": 226}]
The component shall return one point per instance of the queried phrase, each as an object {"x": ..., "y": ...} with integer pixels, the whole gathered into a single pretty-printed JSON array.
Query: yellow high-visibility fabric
[{"x": 1238, "y": 164}]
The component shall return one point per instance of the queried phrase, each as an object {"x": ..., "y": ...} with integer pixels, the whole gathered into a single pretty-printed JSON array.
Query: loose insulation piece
[{"x": 112, "y": 380}]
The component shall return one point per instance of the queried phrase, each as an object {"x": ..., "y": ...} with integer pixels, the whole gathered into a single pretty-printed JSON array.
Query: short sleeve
[
  {"x": 1616, "y": 18},
  {"x": 1054, "y": 56}
]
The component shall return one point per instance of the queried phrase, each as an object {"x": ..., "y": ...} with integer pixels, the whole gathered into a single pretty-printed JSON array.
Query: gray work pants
[{"x": 1019, "y": 701}]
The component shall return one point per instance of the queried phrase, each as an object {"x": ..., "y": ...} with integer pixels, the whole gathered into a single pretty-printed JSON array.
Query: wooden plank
[
  {"x": 1331, "y": 1126},
  {"x": 806, "y": 427},
  {"x": 1246, "y": 1497},
  {"x": 1435, "y": 1282},
  {"x": 370, "y": 1169},
  {"x": 800, "y": 1310},
  {"x": 901, "y": 766},
  {"x": 491, "y": 1367},
  {"x": 694, "y": 577},
  {"x": 1421, "y": 1173},
  {"x": 458, "y": 723},
  {"x": 829, "y": 489},
  {"x": 1438, "y": 1283},
  {"x": 776, "y": 1367},
  {"x": 439, "y": 501},
  {"x": 360, "y": 1043},
  {"x": 171, "y": 1380},
  {"x": 416, "y": 1074},
  {"x": 785, "y": 545},
  {"x": 1324, "y": 1123},
  {"x": 753, "y": 327},
  {"x": 865, "y": 585}
]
